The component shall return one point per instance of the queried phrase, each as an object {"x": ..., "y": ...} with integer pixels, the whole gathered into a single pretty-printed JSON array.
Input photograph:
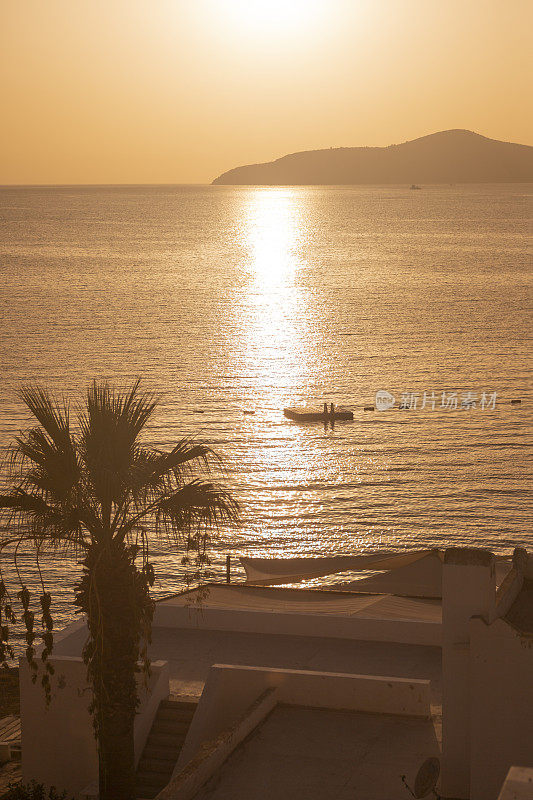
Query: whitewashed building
[{"x": 263, "y": 692}]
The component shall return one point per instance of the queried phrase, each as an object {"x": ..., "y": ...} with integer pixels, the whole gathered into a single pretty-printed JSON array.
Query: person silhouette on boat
[
  {"x": 332, "y": 411},
  {"x": 325, "y": 409}
]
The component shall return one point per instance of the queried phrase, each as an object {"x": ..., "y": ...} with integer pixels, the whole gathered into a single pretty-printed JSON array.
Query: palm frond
[
  {"x": 20, "y": 501},
  {"x": 43, "y": 523},
  {"x": 185, "y": 452},
  {"x": 110, "y": 428},
  {"x": 45, "y": 457},
  {"x": 52, "y": 416},
  {"x": 195, "y": 505},
  {"x": 45, "y": 465},
  {"x": 155, "y": 472}
]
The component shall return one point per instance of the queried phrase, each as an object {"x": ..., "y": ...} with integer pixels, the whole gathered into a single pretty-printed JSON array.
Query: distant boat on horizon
[{"x": 414, "y": 186}]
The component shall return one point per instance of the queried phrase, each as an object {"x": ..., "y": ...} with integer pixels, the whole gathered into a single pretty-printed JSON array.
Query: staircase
[{"x": 163, "y": 747}]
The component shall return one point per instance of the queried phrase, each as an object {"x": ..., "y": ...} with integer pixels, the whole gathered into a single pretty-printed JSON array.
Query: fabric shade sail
[
  {"x": 409, "y": 574},
  {"x": 420, "y": 578},
  {"x": 274, "y": 571}
]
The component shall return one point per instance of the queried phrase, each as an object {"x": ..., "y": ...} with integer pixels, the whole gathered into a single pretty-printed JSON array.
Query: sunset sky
[{"x": 178, "y": 91}]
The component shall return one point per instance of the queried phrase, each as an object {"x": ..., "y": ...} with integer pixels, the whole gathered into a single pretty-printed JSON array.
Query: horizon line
[
  {"x": 296, "y": 152},
  {"x": 246, "y": 186},
  {"x": 70, "y": 185}
]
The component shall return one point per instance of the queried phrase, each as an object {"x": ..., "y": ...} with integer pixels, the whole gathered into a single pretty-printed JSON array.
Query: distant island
[{"x": 455, "y": 156}]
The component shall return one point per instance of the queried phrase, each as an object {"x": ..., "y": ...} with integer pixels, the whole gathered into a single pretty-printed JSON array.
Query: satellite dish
[{"x": 427, "y": 778}]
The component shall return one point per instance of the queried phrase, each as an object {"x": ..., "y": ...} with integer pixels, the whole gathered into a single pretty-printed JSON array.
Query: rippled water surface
[{"x": 231, "y": 299}]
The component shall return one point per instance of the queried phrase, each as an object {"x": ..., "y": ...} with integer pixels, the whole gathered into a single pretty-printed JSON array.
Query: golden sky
[{"x": 178, "y": 91}]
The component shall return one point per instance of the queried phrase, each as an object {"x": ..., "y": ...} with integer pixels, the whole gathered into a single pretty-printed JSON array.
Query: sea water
[{"x": 225, "y": 300}]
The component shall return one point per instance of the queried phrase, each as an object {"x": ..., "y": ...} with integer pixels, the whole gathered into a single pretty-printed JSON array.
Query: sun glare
[
  {"x": 272, "y": 17},
  {"x": 272, "y": 235}
]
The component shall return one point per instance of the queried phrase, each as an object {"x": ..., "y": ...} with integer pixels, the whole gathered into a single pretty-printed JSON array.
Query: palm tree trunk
[
  {"x": 116, "y": 754},
  {"x": 109, "y": 594}
]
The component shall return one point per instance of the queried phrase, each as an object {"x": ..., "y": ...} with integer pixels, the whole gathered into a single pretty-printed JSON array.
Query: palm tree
[{"x": 99, "y": 491}]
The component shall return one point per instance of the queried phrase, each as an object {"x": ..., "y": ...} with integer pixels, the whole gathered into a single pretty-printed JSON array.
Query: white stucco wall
[
  {"x": 487, "y": 697},
  {"x": 507, "y": 593},
  {"x": 468, "y": 588},
  {"x": 58, "y": 745},
  {"x": 518, "y": 784},
  {"x": 230, "y": 689},
  {"x": 501, "y": 668},
  {"x": 70, "y": 640},
  {"x": 372, "y": 629},
  {"x": 225, "y": 697},
  {"x": 214, "y": 752}
]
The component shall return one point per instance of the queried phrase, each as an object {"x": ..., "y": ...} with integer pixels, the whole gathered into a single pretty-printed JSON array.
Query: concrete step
[
  {"x": 175, "y": 714},
  {"x": 162, "y": 741},
  {"x": 162, "y": 753},
  {"x": 175, "y": 703},
  {"x": 152, "y": 780},
  {"x": 174, "y": 728},
  {"x": 147, "y": 792},
  {"x": 157, "y": 765},
  {"x": 163, "y": 746}
]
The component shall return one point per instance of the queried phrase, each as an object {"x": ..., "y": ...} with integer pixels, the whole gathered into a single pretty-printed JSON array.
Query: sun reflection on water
[
  {"x": 276, "y": 347},
  {"x": 274, "y": 310},
  {"x": 273, "y": 219}
]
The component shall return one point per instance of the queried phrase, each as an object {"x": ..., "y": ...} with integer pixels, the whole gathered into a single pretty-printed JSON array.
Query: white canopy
[
  {"x": 417, "y": 573},
  {"x": 272, "y": 571},
  {"x": 420, "y": 578}
]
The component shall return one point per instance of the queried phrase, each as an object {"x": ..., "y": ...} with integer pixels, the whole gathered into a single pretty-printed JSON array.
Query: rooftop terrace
[
  {"x": 303, "y": 753},
  {"x": 191, "y": 653},
  {"x": 292, "y": 629}
]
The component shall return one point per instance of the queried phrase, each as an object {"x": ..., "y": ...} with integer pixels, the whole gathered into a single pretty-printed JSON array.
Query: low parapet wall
[
  {"x": 231, "y": 689},
  {"x": 368, "y": 693},
  {"x": 372, "y": 629}
]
